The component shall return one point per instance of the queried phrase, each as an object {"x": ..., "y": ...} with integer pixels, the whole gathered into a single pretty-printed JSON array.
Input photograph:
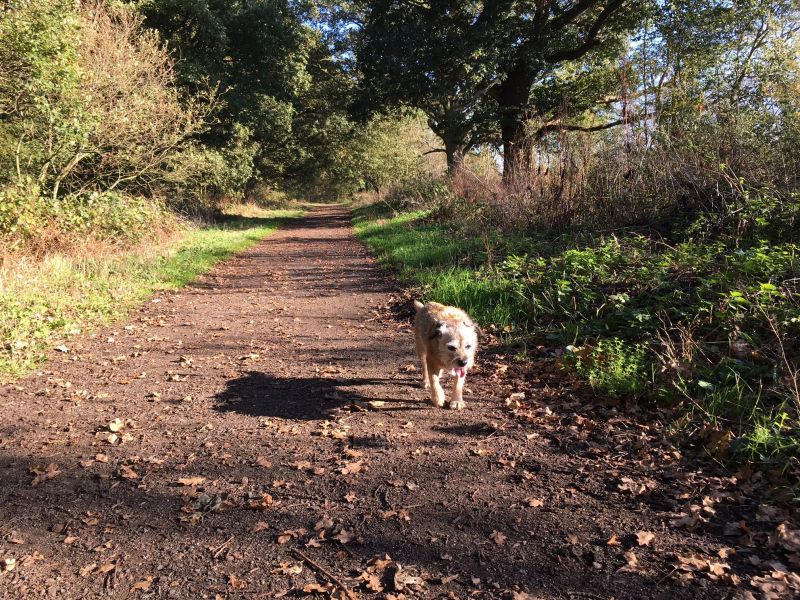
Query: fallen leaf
[
  {"x": 644, "y": 538},
  {"x": 371, "y": 581},
  {"x": 144, "y": 584},
  {"x": 352, "y": 468},
  {"x": 498, "y": 537},
  {"x": 290, "y": 534},
  {"x": 260, "y": 526},
  {"x": 345, "y": 536},
  {"x": 688, "y": 521},
  {"x": 379, "y": 563},
  {"x": 262, "y": 502},
  {"x": 191, "y": 480},
  {"x": 116, "y": 425},
  {"x": 236, "y": 583},
  {"x": 286, "y": 568},
  {"x": 263, "y": 461},
  {"x": 632, "y": 561},
  {"x": 613, "y": 541},
  {"x": 315, "y": 588},
  {"x": 788, "y": 539},
  {"x": 717, "y": 569},
  {"x": 47, "y": 473},
  {"x": 127, "y": 473}
]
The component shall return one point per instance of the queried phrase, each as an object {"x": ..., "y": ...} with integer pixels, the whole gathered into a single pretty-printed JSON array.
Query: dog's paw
[
  {"x": 426, "y": 384},
  {"x": 457, "y": 405},
  {"x": 437, "y": 401}
]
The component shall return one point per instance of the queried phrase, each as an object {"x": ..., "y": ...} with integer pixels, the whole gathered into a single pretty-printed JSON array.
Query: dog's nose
[{"x": 461, "y": 362}]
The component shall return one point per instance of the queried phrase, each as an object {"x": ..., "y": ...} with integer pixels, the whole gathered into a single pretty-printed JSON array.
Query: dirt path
[{"x": 272, "y": 407}]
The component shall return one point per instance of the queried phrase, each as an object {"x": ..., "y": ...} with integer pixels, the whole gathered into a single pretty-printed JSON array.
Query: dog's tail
[{"x": 418, "y": 306}]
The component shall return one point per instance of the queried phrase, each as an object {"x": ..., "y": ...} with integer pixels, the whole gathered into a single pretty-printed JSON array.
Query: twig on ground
[
  {"x": 322, "y": 570},
  {"x": 218, "y": 550}
]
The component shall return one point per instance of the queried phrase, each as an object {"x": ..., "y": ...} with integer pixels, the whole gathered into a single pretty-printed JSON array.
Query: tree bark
[
  {"x": 513, "y": 98},
  {"x": 455, "y": 158}
]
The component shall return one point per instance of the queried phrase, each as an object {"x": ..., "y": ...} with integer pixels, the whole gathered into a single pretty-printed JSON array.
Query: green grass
[
  {"x": 446, "y": 261},
  {"x": 692, "y": 319},
  {"x": 44, "y": 302}
]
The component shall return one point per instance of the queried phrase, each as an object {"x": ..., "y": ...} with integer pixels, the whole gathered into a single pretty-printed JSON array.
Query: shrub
[{"x": 615, "y": 368}]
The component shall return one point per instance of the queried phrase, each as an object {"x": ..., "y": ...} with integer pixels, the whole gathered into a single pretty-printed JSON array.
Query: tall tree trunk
[
  {"x": 516, "y": 149},
  {"x": 513, "y": 97},
  {"x": 455, "y": 159}
]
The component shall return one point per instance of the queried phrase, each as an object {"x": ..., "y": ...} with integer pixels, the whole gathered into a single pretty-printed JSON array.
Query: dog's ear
[
  {"x": 438, "y": 326},
  {"x": 473, "y": 325}
]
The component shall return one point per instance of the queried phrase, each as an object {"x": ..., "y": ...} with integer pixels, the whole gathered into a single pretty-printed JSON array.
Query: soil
[{"x": 263, "y": 434}]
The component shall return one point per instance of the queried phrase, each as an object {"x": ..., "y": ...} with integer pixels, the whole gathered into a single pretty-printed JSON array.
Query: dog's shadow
[{"x": 313, "y": 398}]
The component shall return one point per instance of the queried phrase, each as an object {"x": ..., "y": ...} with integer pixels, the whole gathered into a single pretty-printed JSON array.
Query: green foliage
[
  {"x": 710, "y": 315},
  {"x": 202, "y": 179},
  {"x": 614, "y": 368},
  {"x": 481, "y": 70},
  {"x": 29, "y": 222},
  {"x": 43, "y": 115},
  {"x": 21, "y": 205},
  {"x": 432, "y": 58}
]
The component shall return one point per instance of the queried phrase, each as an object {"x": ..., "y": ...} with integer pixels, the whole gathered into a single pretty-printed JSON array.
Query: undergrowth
[
  {"x": 706, "y": 317},
  {"x": 46, "y": 300}
]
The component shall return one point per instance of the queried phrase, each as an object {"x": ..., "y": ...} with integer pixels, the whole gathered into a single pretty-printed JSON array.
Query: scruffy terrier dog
[{"x": 447, "y": 339}]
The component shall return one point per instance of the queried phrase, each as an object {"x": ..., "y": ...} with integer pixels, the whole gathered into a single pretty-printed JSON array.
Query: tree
[
  {"x": 483, "y": 68},
  {"x": 542, "y": 37},
  {"x": 255, "y": 52},
  {"x": 435, "y": 56}
]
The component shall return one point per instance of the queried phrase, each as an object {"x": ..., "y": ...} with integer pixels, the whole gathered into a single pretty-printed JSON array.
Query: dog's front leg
[
  {"x": 457, "y": 403},
  {"x": 437, "y": 393},
  {"x": 425, "y": 379}
]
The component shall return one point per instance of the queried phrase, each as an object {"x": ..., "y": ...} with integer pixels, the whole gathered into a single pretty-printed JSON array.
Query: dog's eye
[
  {"x": 451, "y": 348},
  {"x": 468, "y": 347}
]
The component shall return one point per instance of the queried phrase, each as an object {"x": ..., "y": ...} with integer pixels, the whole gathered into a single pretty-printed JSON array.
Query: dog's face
[{"x": 455, "y": 344}]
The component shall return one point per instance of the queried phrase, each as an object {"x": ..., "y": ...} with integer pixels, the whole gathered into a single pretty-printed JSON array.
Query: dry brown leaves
[{"x": 42, "y": 474}]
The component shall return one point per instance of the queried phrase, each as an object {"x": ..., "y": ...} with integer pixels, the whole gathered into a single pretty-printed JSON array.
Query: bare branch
[{"x": 559, "y": 126}]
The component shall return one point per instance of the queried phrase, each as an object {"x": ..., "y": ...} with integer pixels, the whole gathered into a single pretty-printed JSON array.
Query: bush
[
  {"x": 203, "y": 180},
  {"x": 92, "y": 123},
  {"x": 21, "y": 210},
  {"x": 615, "y": 368},
  {"x": 40, "y": 225}
]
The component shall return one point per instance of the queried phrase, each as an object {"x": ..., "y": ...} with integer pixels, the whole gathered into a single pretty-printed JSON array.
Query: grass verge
[
  {"x": 705, "y": 321},
  {"x": 45, "y": 301}
]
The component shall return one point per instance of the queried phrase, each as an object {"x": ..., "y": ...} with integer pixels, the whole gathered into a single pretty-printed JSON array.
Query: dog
[{"x": 446, "y": 339}]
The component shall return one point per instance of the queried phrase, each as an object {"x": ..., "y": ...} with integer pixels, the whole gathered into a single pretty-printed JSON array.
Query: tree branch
[
  {"x": 591, "y": 40},
  {"x": 570, "y": 14},
  {"x": 558, "y": 126}
]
